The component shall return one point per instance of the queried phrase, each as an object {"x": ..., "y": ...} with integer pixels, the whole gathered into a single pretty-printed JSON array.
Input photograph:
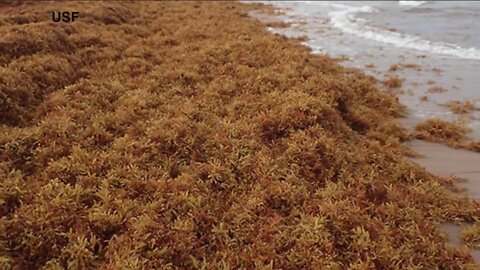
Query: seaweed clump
[
  {"x": 436, "y": 89},
  {"x": 393, "y": 81},
  {"x": 439, "y": 130},
  {"x": 184, "y": 135},
  {"x": 471, "y": 235},
  {"x": 452, "y": 134},
  {"x": 464, "y": 107}
]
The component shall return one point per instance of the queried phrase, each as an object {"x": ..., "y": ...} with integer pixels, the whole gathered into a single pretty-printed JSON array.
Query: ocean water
[
  {"x": 448, "y": 28},
  {"x": 438, "y": 40}
]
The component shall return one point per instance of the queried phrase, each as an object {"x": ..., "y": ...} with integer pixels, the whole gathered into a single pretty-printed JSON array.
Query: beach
[
  {"x": 427, "y": 45},
  {"x": 213, "y": 135},
  {"x": 431, "y": 44},
  {"x": 446, "y": 161}
]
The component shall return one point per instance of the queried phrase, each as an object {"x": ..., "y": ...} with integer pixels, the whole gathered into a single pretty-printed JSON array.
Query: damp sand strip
[{"x": 446, "y": 161}]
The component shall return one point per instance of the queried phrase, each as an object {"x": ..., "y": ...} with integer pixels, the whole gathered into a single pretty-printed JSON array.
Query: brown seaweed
[{"x": 184, "y": 135}]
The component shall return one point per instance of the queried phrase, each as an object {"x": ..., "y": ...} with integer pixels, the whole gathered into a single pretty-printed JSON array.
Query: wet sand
[{"x": 446, "y": 161}]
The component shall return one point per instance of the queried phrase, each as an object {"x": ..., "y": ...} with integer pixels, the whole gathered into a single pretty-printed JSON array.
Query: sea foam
[
  {"x": 411, "y": 3},
  {"x": 343, "y": 18}
]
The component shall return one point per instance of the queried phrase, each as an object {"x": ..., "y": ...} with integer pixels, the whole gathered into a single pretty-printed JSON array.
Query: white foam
[
  {"x": 411, "y": 3},
  {"x": 344, "y": 19}
]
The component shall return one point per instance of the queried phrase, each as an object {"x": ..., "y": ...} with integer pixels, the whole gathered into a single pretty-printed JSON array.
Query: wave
[
  {"x": 345, "y": 20},
  {"x": 411, "y": 3}
]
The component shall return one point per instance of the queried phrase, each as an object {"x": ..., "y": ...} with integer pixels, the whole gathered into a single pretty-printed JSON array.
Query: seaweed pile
[
  {"x": 449, "y": 133},
  {"x": 439, "y": 130},
  {"x": 186, "y": 136},
  {"x": 464, "y": 107}
]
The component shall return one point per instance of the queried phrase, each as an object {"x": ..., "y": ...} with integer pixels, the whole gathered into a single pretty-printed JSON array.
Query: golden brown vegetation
[
  {"x": 424, "y": 98},
  {"x": 453, "y": 134},
  {"x": 395, "y": 67},
  {"x": 436, "y": 89},
  {"x": 280, "y": 24},
  {"x": 439, "y": 130},
  {"x": 437, "y": 71},
  {"x": 464, "y": 107},
  {"x": 393, "y": 81},
  {"x": 473, "y": 145},
  {"x": 411, "y": 65},
  {"x": 471, "y": 235},
  {"x": 186, "y": 136}
]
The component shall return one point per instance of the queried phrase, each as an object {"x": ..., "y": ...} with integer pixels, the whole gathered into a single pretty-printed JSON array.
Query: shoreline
[
  {"x": 420, "y": 74},
  {"x": 186, "y": 135},
  {"x": 446, "y": 161},
  {"x": 437, "y": 158}
]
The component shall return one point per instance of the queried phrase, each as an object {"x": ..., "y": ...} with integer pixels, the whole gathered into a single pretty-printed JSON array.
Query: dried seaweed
[
  {"x": 184, "y": 135},
  {"x": 393, "y": 82},
  {"x": 440, "y": 130},
  {"x": 464, "y": 107},
  {"x": 436, "y": 89},
  {"x": 452, "y": 134}
]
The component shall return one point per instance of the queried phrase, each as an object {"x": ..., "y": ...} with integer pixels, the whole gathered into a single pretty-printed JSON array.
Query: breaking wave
[
  {"x": 411, "y": 3},
  {"x": 344, "y": 19}
]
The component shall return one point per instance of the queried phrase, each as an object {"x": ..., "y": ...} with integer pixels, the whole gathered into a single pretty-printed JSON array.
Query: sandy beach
[
  {"x": 419, "y": 71},
  {"x": 446, "y": 161},
  {"x": 196, "y": 135}
]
